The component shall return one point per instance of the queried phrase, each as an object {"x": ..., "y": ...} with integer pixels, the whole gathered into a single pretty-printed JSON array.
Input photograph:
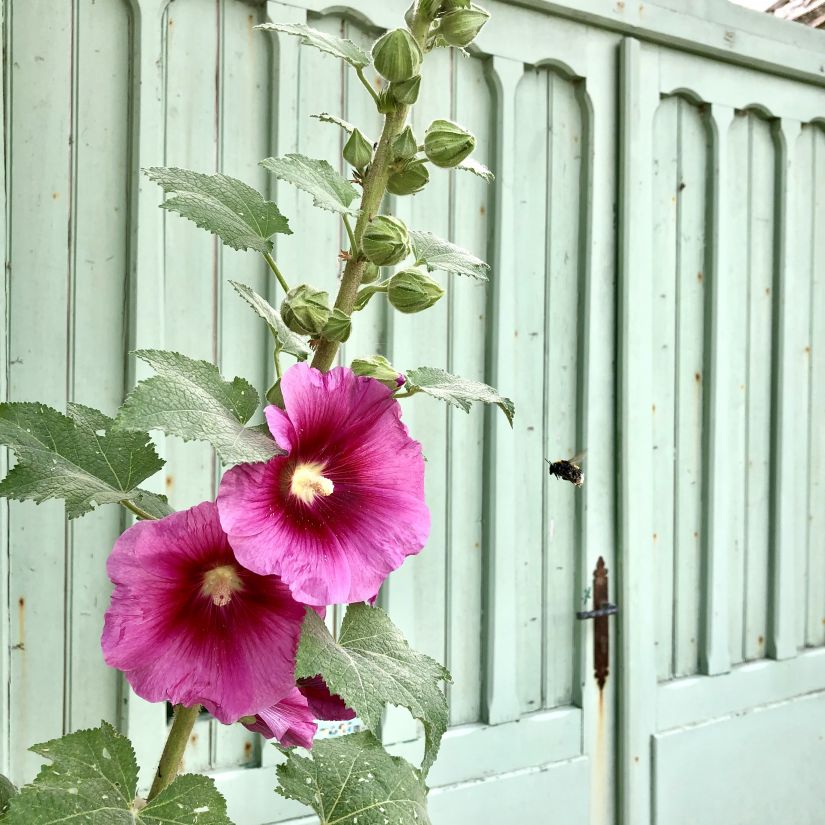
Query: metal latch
[{"x": 602, "y": 609}]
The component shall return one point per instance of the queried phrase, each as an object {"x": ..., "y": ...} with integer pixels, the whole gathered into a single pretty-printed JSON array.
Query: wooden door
[{"x": 721, "y": 328}]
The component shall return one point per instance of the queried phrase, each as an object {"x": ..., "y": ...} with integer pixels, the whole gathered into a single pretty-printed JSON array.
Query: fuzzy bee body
[{"x": 568, "y": 470}]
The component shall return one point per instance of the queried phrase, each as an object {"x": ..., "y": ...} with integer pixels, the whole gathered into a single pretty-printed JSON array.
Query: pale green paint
[{"x": 609, "y": 319}]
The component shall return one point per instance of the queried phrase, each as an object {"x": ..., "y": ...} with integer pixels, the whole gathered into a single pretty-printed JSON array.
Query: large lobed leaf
[
  {"x": 190, "y": 399},
  {"x": 329, "y": 43},
  {"x": 93, "y": 780},
  {"x": 352, "y": 780},
  {"x": 440, "y": 254},
  {"x": 370, "y": 665},
  {"x": 460, "y": 392},
  {"x": 329, "y": 189},
  {"x": 285, "y": 339},
  {"x": 78, "y": 457},
  {"x": 238, "y": 214}
]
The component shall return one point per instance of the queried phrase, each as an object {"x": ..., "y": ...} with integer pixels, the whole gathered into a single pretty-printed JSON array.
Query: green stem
[
  {"x": 274, "y": 267},
  {"x": 404, "y": 394},
  {"x": 375, "y": 184},
  {"x": 138, "y": 511},
  {"x": 367, "y": 85},
  {"x": 175, "y": 745},
  {"x": 351, "y": 234},
  {"x": 278, "y": 364}
]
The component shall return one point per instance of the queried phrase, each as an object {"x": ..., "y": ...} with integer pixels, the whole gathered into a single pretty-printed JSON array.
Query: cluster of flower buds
[
  {"x": 305, "y": 310},
  {"x": 455, "y": 22}
]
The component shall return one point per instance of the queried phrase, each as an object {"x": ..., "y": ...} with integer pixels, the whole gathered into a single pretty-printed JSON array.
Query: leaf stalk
[{"x": 172, "y": 755}]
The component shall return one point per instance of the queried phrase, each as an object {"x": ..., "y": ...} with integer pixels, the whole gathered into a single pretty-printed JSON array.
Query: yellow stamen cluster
[
  {"x": 308, "y": 482},
  {"x": 221, "y": 583}
]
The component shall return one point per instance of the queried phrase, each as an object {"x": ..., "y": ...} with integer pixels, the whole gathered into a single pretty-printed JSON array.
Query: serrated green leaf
[
  {"x": 460, "y": 392},
  {"x": 78, "y": 457},
  {"x": 190, "y": 399},
  {"x": 7, "y": 791},
  {"x": 352, "y": 780},
  {"x": 238, "y": 214},
  {"x": 329, "y": 189},
  {"x": 285, "y": 339},
  {"x": 370, "y": 665},
  {"x": 326, "y": 117},
  {"x": 92, "y": 779},
  {"x": 336, "y": 46},
  {"x": 436, "y": 253},
  {"x": 472, "y": 165}
]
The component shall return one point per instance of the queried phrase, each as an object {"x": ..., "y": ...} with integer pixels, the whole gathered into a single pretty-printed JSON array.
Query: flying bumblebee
[{"x": 568, "y": 469}]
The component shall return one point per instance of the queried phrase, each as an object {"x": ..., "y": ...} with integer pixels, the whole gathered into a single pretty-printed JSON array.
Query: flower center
[
  {"x": 220, "y": 584},
  {"x": 308, "y": 482}
]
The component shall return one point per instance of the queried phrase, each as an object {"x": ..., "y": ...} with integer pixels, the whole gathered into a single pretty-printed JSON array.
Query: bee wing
[{"x": 577, "y": 459}]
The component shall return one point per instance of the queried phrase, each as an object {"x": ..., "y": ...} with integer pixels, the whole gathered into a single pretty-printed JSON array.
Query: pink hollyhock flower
[
  {"x": 189, "y": 625},
  {"x": 345, "y": 506},
  {"x": 292, "y": 720}
]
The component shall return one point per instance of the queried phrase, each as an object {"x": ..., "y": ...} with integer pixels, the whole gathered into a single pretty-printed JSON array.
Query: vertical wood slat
[
  {"x": 470, "y": 228},
  {"x": 143, "y": 722},
  {"x": 5, "y": 616},
  {"x": 638, "y": 95},
  {"x": 40, "y": 95},
  {"x": 99, "y": 322},
  {"x": 720, "y": 472},
  {"x": 501, "y": 595},
  {"x": 813, "y": 209},
  {"x": 561, "y": 374},
  {"x": 789, "y": 450},
  {"x": 761, "y": 226}
]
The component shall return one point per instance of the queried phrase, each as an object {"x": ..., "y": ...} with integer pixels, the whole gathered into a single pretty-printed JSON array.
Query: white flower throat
[
  {"x": 220, "y": 584},
  {"x": 308, "y": 482}
]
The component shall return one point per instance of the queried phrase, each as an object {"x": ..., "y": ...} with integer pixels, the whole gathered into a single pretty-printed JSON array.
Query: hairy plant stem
[
  {"x": 274, "y": 267},
  {"x": 375, "y": 185},
  {"x": 175, "y": 745},
  {"x": 139, "y": 512}
]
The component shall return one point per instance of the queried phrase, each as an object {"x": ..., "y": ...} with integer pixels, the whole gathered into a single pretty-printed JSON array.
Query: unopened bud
[
  {"x": 357, "y": 150},
  {"x": 446, "y": 143},
  {"x": 379, "y": 368},
  {"x": 460, "y": 26},
  {"x": 397, "y": 56},
  {"x": 405, "y": 145},
  {"x": 412, "y": 290},
  {"x": 337, "y": 327},
  {"x": 385, "y": 241},
  {"x": 371, "y": 273},
  {"x": 408, "y": 180},
  {"x": 305, "y": 310},
  {"x": 407, "y": 91}
]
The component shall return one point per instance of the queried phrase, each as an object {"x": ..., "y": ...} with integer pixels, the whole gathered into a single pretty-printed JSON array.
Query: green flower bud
[
  {"x": 386, "y": 104},
  {"x": 357, "y": 150},
  {"x": 406, "y": 92},
  {"x": 338, "y": 327},
  {"x": 460, "y": 26},
  {"x": 412, "y": 178},
  {"x": 371, "y": 273},
  {"x": 379, "y": 368},
  {"x": 385, "y": 241},
  {"x": 397, "y": 56},
  {"x": 446, "y": 143},
  {"x": 449, "y": 5},
  {"x": 305, "y": 310},
  {"x": 412, "y": 290},
  {"x": 275, "y": 396},
  {"x": 405, "y": 145}
]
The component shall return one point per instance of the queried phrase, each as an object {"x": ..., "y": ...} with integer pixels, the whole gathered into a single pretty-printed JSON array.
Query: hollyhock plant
[
  {"x": 188, "y": 624},
  {"x": 345, "y": 506},
  {"x": 210, "y": 604}
]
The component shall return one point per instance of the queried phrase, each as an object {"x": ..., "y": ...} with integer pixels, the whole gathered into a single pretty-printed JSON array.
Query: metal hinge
[{"x": 602, "y": 609}]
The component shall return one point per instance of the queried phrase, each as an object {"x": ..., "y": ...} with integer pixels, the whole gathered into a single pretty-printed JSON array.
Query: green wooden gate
[{"x": 658, "y": 239}]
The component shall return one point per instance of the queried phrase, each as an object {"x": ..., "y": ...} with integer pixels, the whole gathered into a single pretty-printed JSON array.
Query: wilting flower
[
  {"x": 190, "y": 625},
  {"x": 292, "y": 720},
  {"x": 344, "y": 507}
]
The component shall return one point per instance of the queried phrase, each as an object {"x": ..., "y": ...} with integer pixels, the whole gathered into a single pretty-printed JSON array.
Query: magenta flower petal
[
  {"x": 323, "y": 703},
  {"x": 290, "y": 721},
  {"x": 345, "y": 506},
  {"x": 190, "y": 625}
]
